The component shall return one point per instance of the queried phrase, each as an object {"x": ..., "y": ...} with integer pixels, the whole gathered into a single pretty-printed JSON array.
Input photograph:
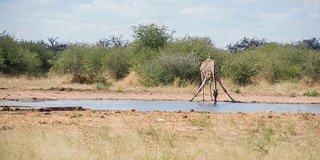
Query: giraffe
[{"x": 210, "y": 71}]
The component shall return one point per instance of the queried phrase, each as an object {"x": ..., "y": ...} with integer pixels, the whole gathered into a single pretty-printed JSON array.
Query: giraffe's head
[{"x": 215, "y": 94}]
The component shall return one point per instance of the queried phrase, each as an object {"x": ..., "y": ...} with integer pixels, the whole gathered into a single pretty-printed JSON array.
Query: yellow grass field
[
  {"x": 158, "y": 135},
  {"x": 131, "y": 82}
]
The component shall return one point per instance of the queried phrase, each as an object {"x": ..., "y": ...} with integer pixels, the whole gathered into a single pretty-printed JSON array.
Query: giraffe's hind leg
[
  {"x": 224, "y": 90},
  {"x": 210, "y": 82}
]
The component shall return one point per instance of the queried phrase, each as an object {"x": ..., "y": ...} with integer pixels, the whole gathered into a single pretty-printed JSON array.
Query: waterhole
[{"x": 169, "y": 106}]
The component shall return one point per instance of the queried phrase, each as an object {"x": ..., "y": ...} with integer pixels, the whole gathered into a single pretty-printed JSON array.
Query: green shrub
[
  {"x": 139, "y": 55},
  {"x": 312, "y": 66},
  {"x": 240, "y": 70},
  {"x": 31, "y": 62},
  {"x": 273, "y": 62},
  {"x": 93, "y": 61},
  {"x": 117, "y": 62},
  {"x": 200, "y": 46},
  {"x": 71, "y": 60},
  {"x": 285, "y": 73},
  {"x": 237, "y": 90},
  {"x": 165, "y": 69},
  {"x": 81, "y": 61},
  {"x": 15, "y": 60},
  {"x": 11, "y": 62},
  {"x": 103, "y": 84},
  {"x": 312, "y": 94},
  {"x": 45, "y": 55}
]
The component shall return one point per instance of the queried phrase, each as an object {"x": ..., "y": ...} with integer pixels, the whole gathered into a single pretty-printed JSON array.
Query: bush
[
  {"x": 117, "y": 62},
  {"x": 200, "y": 46},
  {"x": 10, "y": 58},
  {"x": 286, "y": 73},
  {"x": 240, "y": 71},
  {"x": 93, "y": 60},
  {"x": 273, "y": 62},
  {"x": 83, "y": 61},
  {"x": 31, "y": 62},
  {"x": 165, "y": 69},
  {"x": 312, "y": 94},
  {"x": 70, "y": 61},
  {"x": 45, "y": 56},
  {"x": 312, "y": 66},
  {"x": 15, "y": 60}
]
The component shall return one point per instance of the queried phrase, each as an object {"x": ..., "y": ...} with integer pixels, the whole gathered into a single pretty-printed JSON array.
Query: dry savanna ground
[
  {"x": 56, "y": 87},
  {"x": 158, "y": 135},
  {"x": 155, "y": 135}
]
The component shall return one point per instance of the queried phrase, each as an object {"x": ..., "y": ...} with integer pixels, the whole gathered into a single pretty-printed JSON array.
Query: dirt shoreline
[{"x": 73, "y": 94}]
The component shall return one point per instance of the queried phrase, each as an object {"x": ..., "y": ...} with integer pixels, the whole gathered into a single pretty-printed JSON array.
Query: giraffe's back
[{"x": 207, "y": 68}]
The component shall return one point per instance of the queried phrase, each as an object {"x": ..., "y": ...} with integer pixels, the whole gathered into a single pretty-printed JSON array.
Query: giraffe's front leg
[
  {"x": 203, "y": 94},
  {"x": 210, "y": 82},
  {"x": 201, "y": 87}
]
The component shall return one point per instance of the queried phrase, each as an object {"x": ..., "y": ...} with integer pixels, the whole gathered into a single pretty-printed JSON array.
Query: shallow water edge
[{"x": 169, "y": 106}]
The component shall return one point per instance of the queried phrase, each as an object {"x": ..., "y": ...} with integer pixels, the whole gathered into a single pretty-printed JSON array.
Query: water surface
[{"x": 170, "y": 106}]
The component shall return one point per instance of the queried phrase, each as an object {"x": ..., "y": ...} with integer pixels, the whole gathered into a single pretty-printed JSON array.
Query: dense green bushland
[
  {"x": 273, "y": 62},
  {"x": 161, "y": 59},
  {"x": 93, "y": 62}
]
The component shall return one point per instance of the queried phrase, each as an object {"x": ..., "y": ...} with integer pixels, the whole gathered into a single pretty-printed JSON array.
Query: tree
[
  {"x": 54, "y": 45},
  {"x": 245, "y": 44},
  {"x": 8, "y": 49},
  {"x": 152, "y": 36},
  {"x": 16, "y": 59},
  {"x": 313, "y": 43},
  {"x": 114, "y": 41}
]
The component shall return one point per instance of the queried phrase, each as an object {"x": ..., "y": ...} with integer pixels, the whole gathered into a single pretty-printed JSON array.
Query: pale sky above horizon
[{"x": 224, "y": 21}]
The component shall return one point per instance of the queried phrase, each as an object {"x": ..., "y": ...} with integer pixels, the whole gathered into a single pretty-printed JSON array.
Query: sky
[{"x": 224, "y": 21}]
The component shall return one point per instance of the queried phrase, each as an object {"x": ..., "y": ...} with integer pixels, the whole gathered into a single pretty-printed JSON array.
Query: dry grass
[
  {"x": 281, "y": 88},
  {"x": 131, "y": 83},
  {"x": 26, "y": 82},
  {"x": 158, "y": 135}
]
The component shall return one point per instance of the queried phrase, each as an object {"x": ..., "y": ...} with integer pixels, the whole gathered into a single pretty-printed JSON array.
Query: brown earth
[{"x": 89, "y": 94}]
